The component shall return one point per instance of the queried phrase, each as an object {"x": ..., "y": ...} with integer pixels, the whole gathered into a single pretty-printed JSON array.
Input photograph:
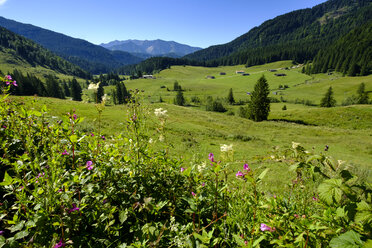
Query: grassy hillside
[{"x": 194, "y": 132}]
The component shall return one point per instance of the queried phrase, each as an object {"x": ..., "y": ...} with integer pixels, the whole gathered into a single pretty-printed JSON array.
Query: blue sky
[{"x": 194, "y": 22}]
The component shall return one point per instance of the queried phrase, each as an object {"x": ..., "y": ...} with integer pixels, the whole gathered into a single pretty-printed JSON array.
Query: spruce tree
[
  {"x": 100, "y": 93},
  {"x": 259, "y": 106},
  {"x": 362, "y": 95},
  {"x": 179, "y": 99},
  {"x": 119, "y": 94},
  {"x": 230, "y": 97},
  {"x": 328, "y": 99},
  {"x": 76, "y": 90}
]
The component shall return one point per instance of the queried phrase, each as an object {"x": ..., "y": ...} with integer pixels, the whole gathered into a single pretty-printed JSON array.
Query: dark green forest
[{"x": 35, "y": 54}]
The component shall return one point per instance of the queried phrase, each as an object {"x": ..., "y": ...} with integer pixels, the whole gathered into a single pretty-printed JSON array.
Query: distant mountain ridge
[
  {"x": 151, "y": 47},
  {"x": 88, "y": 56}
]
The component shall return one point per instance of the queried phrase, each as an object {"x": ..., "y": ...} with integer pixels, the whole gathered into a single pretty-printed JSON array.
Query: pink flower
[
  {"x": 239, "y": 174},
  {"x": 60, "y": 191},
  {"x": 193, "y": 194},
  {"x": 15, "y": 83},
  {"x": 182, "y": 169},
  {"x": 89, "y": 165},
  {"x": 7, "y": 82},
  {"x": 265, "y": 227},
  {"x": 8, "y": 77},
  {"x": 203, "y": 184},
  {"x": 211, "y": 157},
  {"x": 103, "y": 137},
  {"x": 296, "y": 215},
  {"x": 59, "y": 244},
  {"x": 246, "y": 167},
  {"x": 315, "y": 199},
  {"x": 74, "y": 116},
  {"x": 74, "y": 208},
  {"x": 92, "y": 134},
  {"x": 65, "y": 153}
]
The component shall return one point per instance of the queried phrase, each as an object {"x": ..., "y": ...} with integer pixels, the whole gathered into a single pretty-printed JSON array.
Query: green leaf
[
  {"x": 17, "y": 227},
  {"x": 330, "y": 190},
  {"x": 74, "y": 138},
  {"x": 123, "y": 216},
  {"x": 262, "y": 175},
  {"x": 239, "y": 240},
  {"x": 257, "y": 241},
  {"x": 364, "y": 212},
  {"x": 21, "y": 235},
  {"x": 8, "y": 180},
  {"x": 2, "y": 241},
  {"x": 349, "y": 239}
]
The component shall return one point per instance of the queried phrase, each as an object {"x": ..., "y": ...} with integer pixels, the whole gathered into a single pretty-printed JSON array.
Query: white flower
[
  {"x": 150, "y": 140},
  {"x": 295, "y": 145},
  {"x": 159, "y": 112},
  {"x": 226, "y": 148},
  {"x": 93, "y": 86},
  {"x": 161, "y": 138}
]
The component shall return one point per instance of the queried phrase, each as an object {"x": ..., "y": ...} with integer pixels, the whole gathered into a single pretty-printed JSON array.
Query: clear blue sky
[{"x": 194, "y": 22}]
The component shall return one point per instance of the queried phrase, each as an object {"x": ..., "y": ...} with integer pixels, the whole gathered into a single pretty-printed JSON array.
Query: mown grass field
[{"x": 193, "y": 132}]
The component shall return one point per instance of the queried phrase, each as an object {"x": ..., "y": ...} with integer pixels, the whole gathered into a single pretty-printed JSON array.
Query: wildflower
[
  {"x": 211, "y": 157},
  {"x": 246, "y": 167},
  {"x": 92, "y": 134},
  {"x": 159, "y": 112},
  {"x": 239, "y": 174},
  {"x": 15, "y": 83},
  {"x": 74, "y": 116},
  {"x": 296, "y": 215},
  {"x": 8, "y": 77},
  {"x": 89, "y": 165},
  {"x": 265, "y": 227},
  {"x": 304, "y": 216},
  {"x": 93, "y": 86},
  {"x": 248, "y": 93},
  {"x": 59, "y": 244},
  {"x": 104, "y": 201},
  {"x": 150, "y": 141},
  {"x": 315, "y": 199},
  {"x": 74, "y": 208},
  {"x": 103, "y": 137},
  {"x": 182, "y": 169},
  {"x": 1, "y": 232},
  {"x": 193, "y": 194},
  {"x": 295, "y": 145},
  {"x": 59, "y": 191},
  {"x": 161, "y": 138},
  {"x": 203, "y": 184},
  {"x": 7, "y": 82},
  {"x": 65, "y": 153},
  {"x": 226, "y": 148},
  {"x": 326, "y": 148}
]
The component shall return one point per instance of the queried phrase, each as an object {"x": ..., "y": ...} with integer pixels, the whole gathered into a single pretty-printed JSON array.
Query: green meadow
[{"x": 193, "y": 132}]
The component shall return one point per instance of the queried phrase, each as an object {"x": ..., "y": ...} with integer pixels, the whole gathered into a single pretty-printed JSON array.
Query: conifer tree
[
  {"x": 100, "y": 93},
  {"x": 230, "y": 97},
  {"x": 328, "y": 99},
  {"x": 76, "y": 90},
  {"x": 179, "y": 99},
  {"x": 362, "y": 95},
  {"x": 259, "y": 106}
]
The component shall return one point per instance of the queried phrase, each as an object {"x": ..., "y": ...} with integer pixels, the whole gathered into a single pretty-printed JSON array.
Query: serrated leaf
[
  {"x": 349, "y": 239},
  {"x": 364, "y": 212},
  {"x": 330, "y": 190}
]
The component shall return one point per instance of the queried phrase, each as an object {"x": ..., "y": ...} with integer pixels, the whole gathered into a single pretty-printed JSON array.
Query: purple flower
[
  {"x": 1, "y": 232},
  {"x": 15, "y": 83},
  {"x": 239, "y": 174},
  {"x": 203, "y": 184},
  {"x": 7, "y": 82},
  {"x": 89, "y": 165},
  {"x": 315, "y": 199},
  {"x": 60, "y": 190},
  {"x": 74, "y": 116},
  {"x": 92, "y": 134},
  {"x": 8, "y": 77},
  {"x": 182, "y": 169},
  {"x": 326, "y": 148},
  {"x": 211, "y": 157},
  {"x": 103, "y": 137},
  {"x": 59, "y": 244},
  {"x": 104, "y": 201},
  {"x": 74, "y": 208},
  {"x": 265, "y": 227},
  {"x": 65, "y": 153},
  {"x": 246, "y": 167},
  {"x": 193, "y": 194}
]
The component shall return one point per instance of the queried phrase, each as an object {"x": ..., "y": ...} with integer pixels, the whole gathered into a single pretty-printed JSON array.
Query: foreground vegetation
[{"x": 65, "y": 187}]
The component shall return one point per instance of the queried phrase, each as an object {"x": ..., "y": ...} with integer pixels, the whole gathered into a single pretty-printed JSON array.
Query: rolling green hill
[{"x": 88, "y": 56}]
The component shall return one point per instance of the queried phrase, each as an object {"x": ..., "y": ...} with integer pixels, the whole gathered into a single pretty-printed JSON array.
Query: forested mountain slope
[
  {"x": 93, "y": 58},
  {"x": 18, "y": 47},
  {"x": 297, "y": 35}
]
